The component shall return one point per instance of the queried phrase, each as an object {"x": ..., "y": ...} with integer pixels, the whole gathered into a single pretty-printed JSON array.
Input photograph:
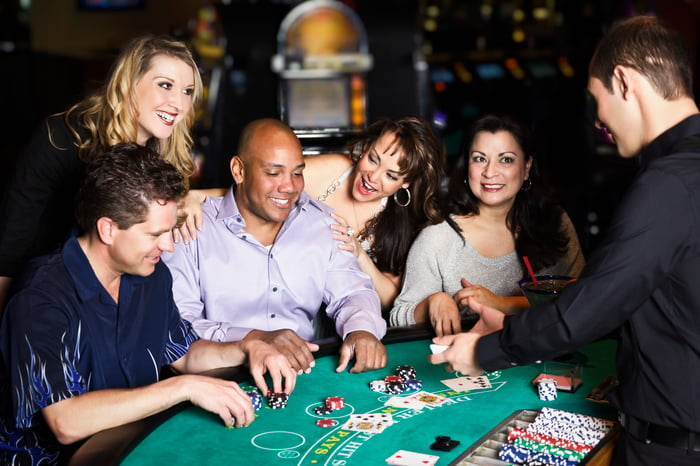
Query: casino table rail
[{"x": 109, "y": 447}]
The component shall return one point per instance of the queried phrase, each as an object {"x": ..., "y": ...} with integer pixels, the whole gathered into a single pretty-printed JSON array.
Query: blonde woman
[{"x": 149, "y": 98}]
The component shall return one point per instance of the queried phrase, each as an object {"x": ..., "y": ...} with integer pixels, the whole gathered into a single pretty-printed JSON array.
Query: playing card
[
  {"x": 372, "y": 422},
  {"x": 411, "y": 458},
  {"x": 428, "y": 399},
  {"x": 463, "y": 384},
  {"x": 438, "y": 348},
  {"x": 406, "y": 402}
]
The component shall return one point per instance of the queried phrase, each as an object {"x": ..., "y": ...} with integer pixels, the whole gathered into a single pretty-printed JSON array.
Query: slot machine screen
[{"x": 317, "y": 103}]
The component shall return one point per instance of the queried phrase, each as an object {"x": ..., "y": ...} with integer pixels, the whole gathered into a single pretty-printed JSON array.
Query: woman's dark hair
[
  {"x": 395, "y": 228},
  {"x": 534, "y": 219}
]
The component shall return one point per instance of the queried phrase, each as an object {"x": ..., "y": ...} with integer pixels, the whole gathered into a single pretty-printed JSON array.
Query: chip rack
[{"x": 485, "y": 451}]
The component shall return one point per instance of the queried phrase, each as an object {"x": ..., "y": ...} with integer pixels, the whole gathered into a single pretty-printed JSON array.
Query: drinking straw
[{"x": 530, "y": 271}]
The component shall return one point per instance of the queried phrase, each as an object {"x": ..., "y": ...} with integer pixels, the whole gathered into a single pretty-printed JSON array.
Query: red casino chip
[
  {"x": 393, "y": 378},
  {"x": 326, "y": 422},
  {"x": 335, "y": 402}
]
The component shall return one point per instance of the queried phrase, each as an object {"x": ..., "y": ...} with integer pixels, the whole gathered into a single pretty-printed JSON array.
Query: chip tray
[{"x": 485, "y": 451}]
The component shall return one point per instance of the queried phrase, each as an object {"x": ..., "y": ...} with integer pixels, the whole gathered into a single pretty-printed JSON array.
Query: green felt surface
[{"x": 290, "y": 436}]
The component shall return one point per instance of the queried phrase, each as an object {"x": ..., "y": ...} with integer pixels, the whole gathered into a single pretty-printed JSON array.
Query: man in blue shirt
[
  {"x": 89, "y": 329},
  {"x": 265, "y": 261}
]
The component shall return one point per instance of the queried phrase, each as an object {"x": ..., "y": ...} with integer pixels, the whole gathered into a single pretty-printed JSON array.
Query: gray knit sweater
[{"x": 439, "y": 259}]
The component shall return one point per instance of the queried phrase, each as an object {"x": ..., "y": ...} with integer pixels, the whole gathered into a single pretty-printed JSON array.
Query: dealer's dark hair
[
  {"x": 122, "y": 183},
  {"x": 652, "y": 48},
  {"x": 534, "y": 219}
]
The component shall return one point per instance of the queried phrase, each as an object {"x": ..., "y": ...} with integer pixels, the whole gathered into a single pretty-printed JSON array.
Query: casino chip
[
  {"x": 256, "y": 399},
  {"x": 412, "y": 384},
  {"x": 378, "y": 386},
  {"x": 547, "y": 389},
  {"x": 277, "y": 400},
  {"x": 394, "y": 387},
  {"x": 406, "y": 372},
  {"x": 335, "y": 402},
  {"x": 322, "y": 410},
  {"x": 326, "y": 422}
]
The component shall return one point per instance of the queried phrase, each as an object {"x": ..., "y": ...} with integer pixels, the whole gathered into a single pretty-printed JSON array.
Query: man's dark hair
[
  {"x": 122, "y": 183},
  {"x": 652, "y": 48}
]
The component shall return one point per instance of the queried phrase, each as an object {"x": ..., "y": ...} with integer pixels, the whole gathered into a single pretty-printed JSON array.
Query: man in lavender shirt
[{"x": 265, "y": 260}]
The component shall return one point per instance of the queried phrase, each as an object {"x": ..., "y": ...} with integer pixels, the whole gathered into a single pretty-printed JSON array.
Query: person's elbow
[{"x": 63, "y": 425}]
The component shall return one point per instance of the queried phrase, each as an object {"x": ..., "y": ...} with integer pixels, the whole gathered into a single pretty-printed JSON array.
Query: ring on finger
[{"x": 351, "y": 231}]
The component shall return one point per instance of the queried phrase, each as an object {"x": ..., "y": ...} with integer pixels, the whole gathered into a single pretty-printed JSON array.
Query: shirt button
[
  {"x": 244, "y": 237},
  {"x": 272, "y": 316},
  {"x": 239, "y": 219},
  {"x": 274, "y": 289}
]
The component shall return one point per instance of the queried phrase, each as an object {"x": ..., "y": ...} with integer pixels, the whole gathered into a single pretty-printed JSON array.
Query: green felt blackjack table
[{"x": 187, "y": 435}]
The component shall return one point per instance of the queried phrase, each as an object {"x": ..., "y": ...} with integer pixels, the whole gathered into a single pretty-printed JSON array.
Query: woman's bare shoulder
[{"x": 322, "y": 170}]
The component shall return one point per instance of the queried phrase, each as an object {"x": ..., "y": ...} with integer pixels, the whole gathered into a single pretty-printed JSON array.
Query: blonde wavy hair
[{"x": 111, "y": 114}]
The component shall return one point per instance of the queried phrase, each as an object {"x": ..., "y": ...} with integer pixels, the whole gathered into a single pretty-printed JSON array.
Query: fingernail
[
  {"x": 299, "y": 372},
  {"x": 312, "y": 364},
  {"x": 308, "y": 371}
]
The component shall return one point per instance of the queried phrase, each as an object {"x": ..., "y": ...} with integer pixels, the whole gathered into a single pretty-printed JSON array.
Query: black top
[
  {"x": 36, "y": 213},
  {"x": 643, "y": 279}
]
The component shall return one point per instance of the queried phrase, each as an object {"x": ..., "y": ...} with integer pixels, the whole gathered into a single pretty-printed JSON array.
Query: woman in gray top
[{"x": 494, "y": 218}]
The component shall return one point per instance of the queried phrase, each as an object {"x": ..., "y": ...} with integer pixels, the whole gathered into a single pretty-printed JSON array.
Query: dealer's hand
[
  {"x": 461, "y": 354},
  {"x": 368, "y": 351}
]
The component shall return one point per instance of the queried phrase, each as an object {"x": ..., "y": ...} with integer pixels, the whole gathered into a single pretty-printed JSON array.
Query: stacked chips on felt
[
  {"x": 555, "y": 437},
  {"x": 404, "y": 380},
  {"x": 256, "y": 399},
  {"x": 332, "y": 403},
  {"x": 277, "y": 400}
]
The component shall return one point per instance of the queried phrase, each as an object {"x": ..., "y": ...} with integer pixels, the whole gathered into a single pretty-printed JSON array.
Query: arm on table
[{"x": 76, "y": 418}]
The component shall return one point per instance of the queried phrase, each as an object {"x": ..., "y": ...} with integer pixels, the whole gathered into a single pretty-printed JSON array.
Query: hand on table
[
  {"x": 292, "y": 346},
  {"x": 264, "y": 358},
  {"x": 444, "y": 314},
  {"x": 343, "y": 232},
  {"x": 368, "y": 351},
  {"x": 222, "y": 397}
]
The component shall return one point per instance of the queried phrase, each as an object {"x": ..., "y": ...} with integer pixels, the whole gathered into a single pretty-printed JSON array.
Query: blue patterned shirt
[{"x": 63, "y": 335}]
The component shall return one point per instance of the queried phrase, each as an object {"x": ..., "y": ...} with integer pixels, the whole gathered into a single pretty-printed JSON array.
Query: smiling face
[
  {"x": 497, "y": 168},
  {"x": 136, "y": 250},
  {"x": 377, "y": 173},
  {"x": 269, "y": 177},
  {"x": 164, "y": 97}
]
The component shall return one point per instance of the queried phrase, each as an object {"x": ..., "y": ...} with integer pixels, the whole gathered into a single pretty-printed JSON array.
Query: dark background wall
[{"x": 52, "y": 53}]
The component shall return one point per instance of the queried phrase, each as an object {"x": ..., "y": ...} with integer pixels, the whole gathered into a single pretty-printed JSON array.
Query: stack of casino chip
[
  {"x": 547, "y": 389},
  {"x": 277, "y": 400},
  {"x": 332, "y": 403},
  {"x": 256, "y": 399},
  {"x": 404, "y": 380},
  {"x": 555, "y": 437}
]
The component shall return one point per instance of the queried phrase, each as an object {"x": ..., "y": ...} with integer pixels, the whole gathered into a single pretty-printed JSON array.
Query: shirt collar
[
  {"x": 229, "y": 213},
  {"x": 86, "y": 283},
  {"x": 665, "y": 142}
]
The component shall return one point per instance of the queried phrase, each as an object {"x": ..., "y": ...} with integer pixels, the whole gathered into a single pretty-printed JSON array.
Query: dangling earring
[
  {"x": 527, "y": 184},
  {"x": 408, "y": 197}
]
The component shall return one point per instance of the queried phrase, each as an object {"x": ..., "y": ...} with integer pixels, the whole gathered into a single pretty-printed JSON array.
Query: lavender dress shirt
[{"x": 226, "y": 283}]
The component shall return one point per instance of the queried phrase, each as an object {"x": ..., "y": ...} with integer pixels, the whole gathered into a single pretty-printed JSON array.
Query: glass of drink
[{"x": 546, "y": 289}]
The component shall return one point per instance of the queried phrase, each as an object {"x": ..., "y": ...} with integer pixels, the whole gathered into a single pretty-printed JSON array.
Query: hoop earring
[
  {"x": 527, "y": 185},
  {"x": 408, "y": 197}
]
